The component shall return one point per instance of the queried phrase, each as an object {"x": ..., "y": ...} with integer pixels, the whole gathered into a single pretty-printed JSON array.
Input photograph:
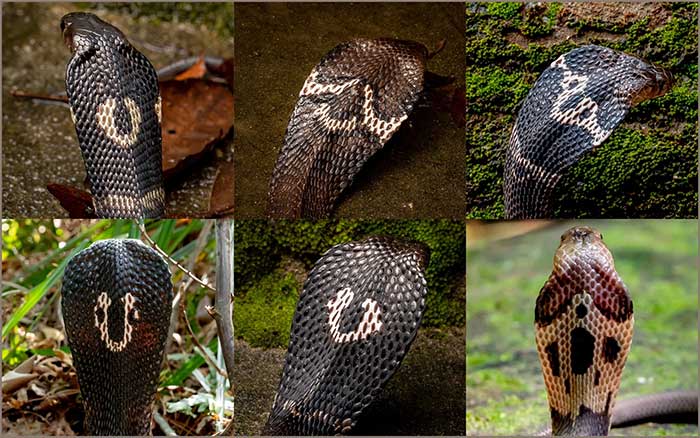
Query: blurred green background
[{"x": 657, "y": 260}]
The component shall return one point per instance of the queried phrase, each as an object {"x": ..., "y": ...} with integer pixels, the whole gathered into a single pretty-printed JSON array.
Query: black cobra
[
  {"x": 356, "y": 318},
  {"x": 573, "y": 107},
  {"x": 116, "y": 301},
  {"x": 116, "y": 107},
  {"x": 351, "y": 104}
]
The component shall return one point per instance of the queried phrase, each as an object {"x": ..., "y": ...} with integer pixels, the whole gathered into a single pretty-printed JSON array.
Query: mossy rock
[{"x": 648, "y": 167}]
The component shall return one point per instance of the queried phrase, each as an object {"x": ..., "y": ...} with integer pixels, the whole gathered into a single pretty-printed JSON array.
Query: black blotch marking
[
  {"x": 553, "y": 356},
  {"x": 581, "y": 311},
  {"x": 567, "y": 385},
  {"x": 582, "y": 342},
  {"x": 596, "y": 381},
  {"x": 608, "y": 400},
  {"x": 611, "y": 349}
]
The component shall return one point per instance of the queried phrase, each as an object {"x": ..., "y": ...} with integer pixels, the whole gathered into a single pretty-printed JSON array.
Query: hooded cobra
[
  {"x": 351, "y": 104},
  {"x": 583, "y": 328},
  {"x": 355, "y": 320},
  {"x": 116, "y": 301},
  {"x": 573, "y": 107},
  {"x": 116, "y": 108}
]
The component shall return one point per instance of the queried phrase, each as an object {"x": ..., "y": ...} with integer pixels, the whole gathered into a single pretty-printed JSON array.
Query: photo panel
[
  {"x": 121, "y": 110},
  {"x": 575, "y": 325},
  {"x": 582, "y": 110},
  {"x": 350, "y": 110},
  {"x": 353, "y": 327},
  {"x": 112, "y": 328}
]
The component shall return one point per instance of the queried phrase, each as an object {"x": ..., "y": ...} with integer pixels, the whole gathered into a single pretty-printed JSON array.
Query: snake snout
[
  {"x": 656, "y": 81},
  {"x": 580, "y": 234}
]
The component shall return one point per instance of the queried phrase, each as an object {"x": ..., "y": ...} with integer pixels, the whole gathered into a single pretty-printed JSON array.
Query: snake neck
[{"x": 583, "y": 329}]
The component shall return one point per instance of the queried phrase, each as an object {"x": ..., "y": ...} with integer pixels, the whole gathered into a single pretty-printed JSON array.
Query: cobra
[
  {"x": 351, "y": 104},
  {"x": 356, "y": 318},
  {"x": 583, "y": 327},
  {"x": 573, "y": 107},
  {"x": 116, "y": 302},
  {"x": 116, "y": 108}
]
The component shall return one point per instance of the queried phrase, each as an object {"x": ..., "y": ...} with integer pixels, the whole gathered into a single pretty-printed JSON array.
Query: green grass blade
[{"x": 37, "y": 292}]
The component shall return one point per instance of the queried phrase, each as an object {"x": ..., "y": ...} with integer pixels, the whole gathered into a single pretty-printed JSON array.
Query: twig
[
  {"x": 223, "y": 303},
  {"x": 199, "y": 245},
  {"x": 222, "y": 312},
  {"x": 49, "y": 97},
  {"x": 163, "y": 423},
  {"x": 171, "y": 260},
  {"x": 196, "y": 341}
]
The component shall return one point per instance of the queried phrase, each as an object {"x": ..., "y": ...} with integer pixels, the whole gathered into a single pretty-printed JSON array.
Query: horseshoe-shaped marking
[
  {"x": 105, "y": 120},
  {"x": 370, "y": 318},
  {"x": 103, "y": 302}
]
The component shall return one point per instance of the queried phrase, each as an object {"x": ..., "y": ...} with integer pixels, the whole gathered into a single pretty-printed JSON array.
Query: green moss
[
  {"x": 264, "y": 311},
  {"x": 504, "y": 11},
  {"x": 261, "y": 246},
  {"x": 647, "y": 168}
]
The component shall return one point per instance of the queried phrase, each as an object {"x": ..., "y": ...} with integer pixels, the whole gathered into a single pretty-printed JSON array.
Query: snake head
[
  {"x": 84, "y": 32},
  {"x": 656, "y": 81},
  {"x": 644, "y": 80},
  {"x": 582, "y": 245}
]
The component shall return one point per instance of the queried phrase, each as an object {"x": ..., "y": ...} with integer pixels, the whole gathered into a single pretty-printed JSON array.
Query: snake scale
[
  {"x": 351, "y": 104},
  {"x": 573, "y": 107},
  {"x": 355, "y": 320},
  {"x": 116, "y": 301},
  {"x": 116, "y": 108},
  {"x": 583, "y": 327}
]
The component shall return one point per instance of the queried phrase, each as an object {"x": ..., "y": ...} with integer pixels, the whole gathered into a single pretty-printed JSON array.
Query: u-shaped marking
[
  {"x": 103, "y": 303},
  {"x": 371, "y": 318},
  {"x": 106, "y": 121}
]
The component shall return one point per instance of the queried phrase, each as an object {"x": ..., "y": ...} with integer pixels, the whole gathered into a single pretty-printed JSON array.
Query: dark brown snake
[
  {"x": 351, "y": 104},
  {"x": 116, "y": 107},
  {"x": 573, "y": 107},
  {"x": 116, "y": 299},
  {"x": 356, "y": 318},
  {"x": 583, "y": 327}
]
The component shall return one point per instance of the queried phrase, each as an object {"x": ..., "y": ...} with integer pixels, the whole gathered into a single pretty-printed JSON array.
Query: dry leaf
[{"x": 222, "y": 199}]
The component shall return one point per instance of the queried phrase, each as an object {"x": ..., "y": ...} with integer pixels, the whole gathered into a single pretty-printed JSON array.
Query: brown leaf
[
  {"x": 196, "y": 115},
  {"x": 222, "y": 199},
  {"x": 197, "y": 71},
  {"x": 13, "y": 380},
  {"x": 77, "y": 202}
]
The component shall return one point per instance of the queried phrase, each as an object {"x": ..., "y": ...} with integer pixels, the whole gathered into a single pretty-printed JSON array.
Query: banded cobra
[
  {"x": 573, "y": 107},
  {"x": 116, "y": 300},
  {"x": 351, "y": 104},
  {"x": 116, "y": 108},
  {"x": 355, "y": 320},
  {"x": 583, "y": 327}
]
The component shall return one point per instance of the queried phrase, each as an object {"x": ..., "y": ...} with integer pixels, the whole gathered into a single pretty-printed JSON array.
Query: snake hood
[
  {"x": 116, "y": 107},
  {"x": 356, "y": 318},
  {"x": 573, "y": 107},
  {"x": 116, "y": 299},
  {"x": 583, "y": 329},
  {"x": 351, "y": 104}
]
